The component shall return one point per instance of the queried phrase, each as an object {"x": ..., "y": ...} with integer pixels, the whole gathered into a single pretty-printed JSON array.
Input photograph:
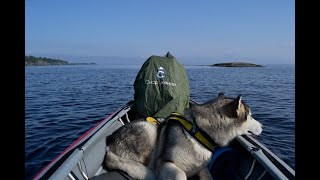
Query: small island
[
  {"x": 43, "y": 61},
  {"x": 236, "y": 64}
]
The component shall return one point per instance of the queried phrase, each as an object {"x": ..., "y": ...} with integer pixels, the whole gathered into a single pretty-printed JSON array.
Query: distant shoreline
[
  {"x": 236, "y": 64},
  {"x": 43, "y": 61},
  {"x": 230, "y": 64},
  {"x": 68, "y": 64}
]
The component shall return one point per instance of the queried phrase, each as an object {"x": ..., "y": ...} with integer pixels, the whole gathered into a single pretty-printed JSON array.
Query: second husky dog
[{"x": 169, "y": 150}]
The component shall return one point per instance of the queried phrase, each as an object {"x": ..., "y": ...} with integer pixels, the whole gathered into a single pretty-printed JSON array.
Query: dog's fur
[{"x": 168, "y": 151}]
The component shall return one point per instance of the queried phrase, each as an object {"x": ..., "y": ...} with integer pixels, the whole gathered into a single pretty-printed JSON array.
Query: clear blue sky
[{"x": 225, "y": 30}]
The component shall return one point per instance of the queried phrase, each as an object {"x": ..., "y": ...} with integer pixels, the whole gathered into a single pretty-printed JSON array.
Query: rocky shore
[{"x": 236, "y": 64}]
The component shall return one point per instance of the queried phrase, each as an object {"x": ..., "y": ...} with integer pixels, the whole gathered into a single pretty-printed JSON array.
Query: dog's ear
[
  {"x": 221, "y": 94},
  {"x": 236, "y": 105},
  {"x": 237, "y": 109},
  {"x": 237, "y": 101},
  {"x": 240, "y": 111}
]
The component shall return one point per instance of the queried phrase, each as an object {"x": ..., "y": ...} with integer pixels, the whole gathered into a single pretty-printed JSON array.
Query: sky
[{"x": 203, "y": 32}]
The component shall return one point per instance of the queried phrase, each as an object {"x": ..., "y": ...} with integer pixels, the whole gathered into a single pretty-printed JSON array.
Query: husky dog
[{"x": 168, "y": 151}]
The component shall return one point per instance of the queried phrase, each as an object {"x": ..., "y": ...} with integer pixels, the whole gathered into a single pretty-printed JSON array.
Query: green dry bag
[{"x": 161, "y": 87}]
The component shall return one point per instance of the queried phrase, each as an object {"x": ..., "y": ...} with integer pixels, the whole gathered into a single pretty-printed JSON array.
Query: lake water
[{"x": 63, "y": 102}]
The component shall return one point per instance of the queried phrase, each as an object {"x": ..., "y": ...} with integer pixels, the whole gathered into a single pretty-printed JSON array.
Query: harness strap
[
  {"x": 152, "y": 120},
  {"x": 193, "y": 130},
  {"x": 196, "y": 132},
  {"x": 205, "y": 141}
]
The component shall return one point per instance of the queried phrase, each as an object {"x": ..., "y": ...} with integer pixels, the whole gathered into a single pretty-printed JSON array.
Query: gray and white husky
[{"x": 169, "y": 151}]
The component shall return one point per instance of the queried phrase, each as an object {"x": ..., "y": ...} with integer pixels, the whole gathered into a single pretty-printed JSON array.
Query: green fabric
[{"x": 158, "y": 94}]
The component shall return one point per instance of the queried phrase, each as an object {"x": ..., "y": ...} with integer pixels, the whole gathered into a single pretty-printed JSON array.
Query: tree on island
[{"x": 43, "y": 61}]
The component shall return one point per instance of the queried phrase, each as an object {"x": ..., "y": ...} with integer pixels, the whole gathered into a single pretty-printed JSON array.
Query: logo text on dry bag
[
  {"x": 162, "y": 82},
  {"x": 160, "y": 73}
]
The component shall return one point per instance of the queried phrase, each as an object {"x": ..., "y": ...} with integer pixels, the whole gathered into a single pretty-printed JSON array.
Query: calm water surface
[{"x": 63, "y": 102}]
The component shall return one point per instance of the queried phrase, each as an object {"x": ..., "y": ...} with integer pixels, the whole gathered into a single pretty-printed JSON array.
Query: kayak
[{"x": 245, "y": 156}]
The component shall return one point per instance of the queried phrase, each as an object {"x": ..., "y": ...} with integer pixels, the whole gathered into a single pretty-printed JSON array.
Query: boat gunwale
[
  {"x": 85, "y": 137},
  {"x": 252, "y": 145}
]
